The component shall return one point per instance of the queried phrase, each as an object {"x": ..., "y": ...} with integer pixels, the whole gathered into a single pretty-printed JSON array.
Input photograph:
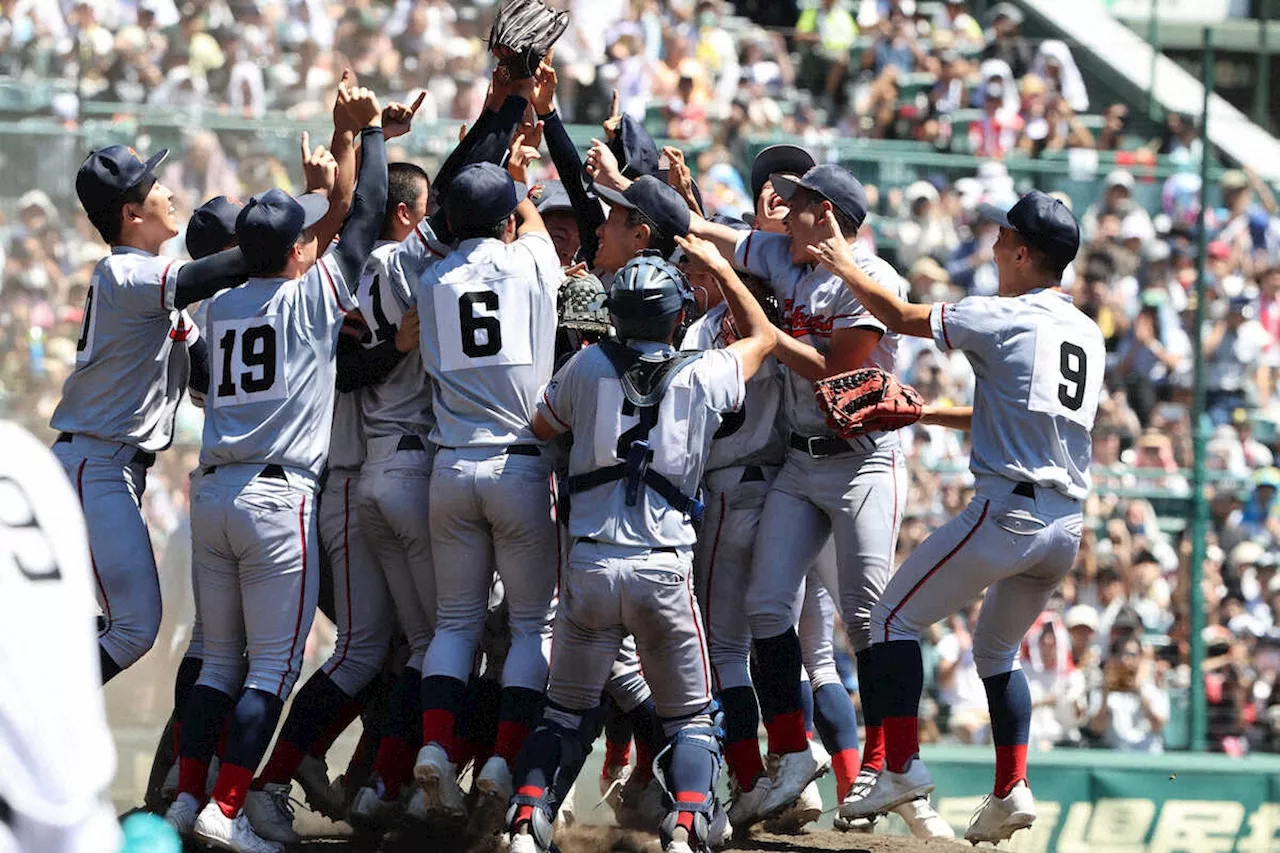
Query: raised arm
[
  {"x": 835, "y": 254},
  {"x": 521, "y": 156},
  {"x": 758, "y": 334},
  {"x": 201, "y": 279},
  {"x": 343, "y": 148},
  {"x": 564, "y": 154},
  {"x": 369, "y": 201}
]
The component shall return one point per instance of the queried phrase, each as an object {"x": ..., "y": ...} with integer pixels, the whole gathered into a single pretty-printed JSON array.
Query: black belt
[
  {"x": 820, "y": 446},
  {"x": 752, "y": 474},
  {"x": 274, "y": 472},
  {"x": 513, "y": 450},
  {"x": 590, "y": 541},
  {"x": 1025, "y": 490},
  {"x": 140, "y": 457},
  {"x": 410, "y": 442}
]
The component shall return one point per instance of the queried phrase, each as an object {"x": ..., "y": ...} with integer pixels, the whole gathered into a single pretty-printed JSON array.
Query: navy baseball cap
[
  {"x": 635, "y": 149},
  {"x": 1043, "y": 222},
  {"x": 833, "y": 183},
  {"x": 212, "y": 226},
  {"x": 778, "y": 159},
  {"x": 661, "y": 204},
  {"x": 271, "y": 222},
  {"x": 554, "y": 198},
  {"x": 108, "y": 173},
  {"x": 481, "y": 194}
]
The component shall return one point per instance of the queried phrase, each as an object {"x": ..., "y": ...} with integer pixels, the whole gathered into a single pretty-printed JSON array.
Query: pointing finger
[
  {"x": 613, "y": 105},
  {"x": 417, "y": 103},
  {"x": 306, "y": 145}
]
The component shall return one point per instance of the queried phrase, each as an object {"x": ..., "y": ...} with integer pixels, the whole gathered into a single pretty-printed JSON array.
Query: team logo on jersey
[{"x": 797, "y": 320}]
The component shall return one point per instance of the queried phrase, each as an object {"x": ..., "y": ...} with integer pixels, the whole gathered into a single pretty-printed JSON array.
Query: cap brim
[
  {"x": 151, "y": 163},
  {"x": 991, "y": 213},
  {"x": 314, "y": 207},
  {"x": 614, "y": 198},
  {"x": 786, "y": 186}
]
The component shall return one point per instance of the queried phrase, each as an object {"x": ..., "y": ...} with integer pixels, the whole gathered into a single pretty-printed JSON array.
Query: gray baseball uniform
[
  {"x": 630, "y": 567},
  {"x": 1038, "y": 363},
  {"x": 488, "y": 323},
  {"x": 116, "y": 412},
  {"x": 857, "y": 494},
  {"x": 396, "y": 485},
  {"x": 362, "y": 604},
  {"x": 267, "y": 428},
  {"x": 57, "y": 758}
]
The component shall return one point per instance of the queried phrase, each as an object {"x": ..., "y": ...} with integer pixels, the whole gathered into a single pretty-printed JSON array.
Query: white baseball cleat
[
  {"x": 271, "y": 814},
  {"x": 323, "y": 797},
  {"x": 493, "y": 788},
  {"x": 438, "y": 778},
  {"x": 862, "y": 785},
  {"x": 234, "y": 834},
  {"x": 1000, "y": 817},
  {"x": 745, "y": 807},
  {"x": 370, "y": 811},
  {"x": 799, "y": 814},
  {"x": 524, "y": 842},
  {"x": 923, "y": 820},
  {"x": 890, "y": 791},
  {"x": 182, "y": 815},
  {"x": 859, "y": 825},
  {"x": 794, "y": 772}
]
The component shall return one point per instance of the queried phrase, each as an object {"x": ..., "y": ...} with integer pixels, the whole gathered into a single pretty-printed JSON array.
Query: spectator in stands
[
  {"x": 1081, "y": 622},
  {"x": 1055, "y": 64},
  {"x": 1115, "y": 122},
  {"x": 1058, "y": 696},
  {"x": 1259, "y": 518},
  {"x": 995, "y": 134},
  {"x": 1150, "y": 358},
  {"x": 972, "y": 265},
  {"x": 959, "y": 686},
  {"x": 1180, "y": 139},
  {"x": 1238, "y": 358},
  {"x": 1129, "y": 711},
  {"x": 1049, "y": 123},
  {"x": 954, "y": 18},
  {"x": 1005, "y": 40},
  {"x": 831, "y": 29},
  {"x": 1117, "y": 200},
  {"x": 926, "y": 232}
]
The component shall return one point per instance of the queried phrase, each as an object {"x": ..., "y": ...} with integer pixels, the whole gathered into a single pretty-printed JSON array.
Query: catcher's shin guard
[{"x": 682, "y": 769}]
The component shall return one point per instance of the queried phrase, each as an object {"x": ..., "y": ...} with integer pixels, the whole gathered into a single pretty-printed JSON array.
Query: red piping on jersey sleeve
[
  {"x": 942, "y": 321},
  {"x": 552, "y": 410},
  {"x": 333, "y": 287},
  {"x": 164, "y": 282}
]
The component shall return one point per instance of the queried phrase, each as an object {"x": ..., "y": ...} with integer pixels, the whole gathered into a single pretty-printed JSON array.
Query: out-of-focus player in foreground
[
  {"x": 1038, "y": 363},
  {"x": 56, "y": 754}
]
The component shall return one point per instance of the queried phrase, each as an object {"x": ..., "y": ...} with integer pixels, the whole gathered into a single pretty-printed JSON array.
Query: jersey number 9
[{"x": 1074, "y": 366}]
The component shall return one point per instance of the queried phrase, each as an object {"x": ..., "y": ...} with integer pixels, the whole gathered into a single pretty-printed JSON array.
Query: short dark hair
[
  {"x": 1047, "y": 265},
  {"x": 111, "y": 221},
  {"x": 662, "y": 243},
  {"x": 494, "y": 231},
  {"x": 405, "y": 182}
]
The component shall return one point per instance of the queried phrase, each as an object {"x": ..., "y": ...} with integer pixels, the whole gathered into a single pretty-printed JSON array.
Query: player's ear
[
  {"x": 403, "y": 214},
  {"x": 644, "y": 234}
]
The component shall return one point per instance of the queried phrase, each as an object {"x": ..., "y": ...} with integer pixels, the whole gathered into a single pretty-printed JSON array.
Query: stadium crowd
[{"x": 1109, "y": 663}]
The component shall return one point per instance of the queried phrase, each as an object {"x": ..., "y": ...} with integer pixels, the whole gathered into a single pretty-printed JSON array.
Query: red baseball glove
[{"x": 867, "y": 400}]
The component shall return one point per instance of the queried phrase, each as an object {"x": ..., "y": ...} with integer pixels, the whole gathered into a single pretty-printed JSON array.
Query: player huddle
[{"x": 564, "y": 474}]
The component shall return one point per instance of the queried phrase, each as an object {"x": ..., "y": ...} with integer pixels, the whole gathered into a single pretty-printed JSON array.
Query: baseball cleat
[
  {"x": 322, "y": 796},
  {"x": 923, "y": 820},
  {"x": 493, "y": 792},
  {"x": 524, "y": 842},
  {"x": 799, "y": 814},
  {"x": 181, "y": 815},
  {"x": 438, "y": 778},
  {"x": 862, "y": 785},
  {"x": 890, "y": 791},
  {"x": 226, "y": 833},
  {"x": 745, "y": 806},
  {"x": 271, "y": 814},
  {"x": 859, "y": 825},
  {"x": 1000, "y": 817},
  {"x": 794, "y": 771},
  {"x": 370, "y": 811}
]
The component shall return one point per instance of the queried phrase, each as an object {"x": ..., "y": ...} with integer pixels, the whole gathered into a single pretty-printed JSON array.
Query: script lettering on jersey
[
  {"x": 797, "y": 320},
  {"x": 28, "y": 546}
]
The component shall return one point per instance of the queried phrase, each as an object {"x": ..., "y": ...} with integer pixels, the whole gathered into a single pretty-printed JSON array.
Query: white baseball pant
[
  {"x": 361, "y": 602},
  {"x": 1016, "y": 548},
  {"x": 110, "y": 481},
  {"x": 492, "y": 510},
  {"x": 855, "y": 498},
  {"x": 393, "y": 500},
  {"x": 254, "y": 538},
  {"x": 610, "y": 591}
]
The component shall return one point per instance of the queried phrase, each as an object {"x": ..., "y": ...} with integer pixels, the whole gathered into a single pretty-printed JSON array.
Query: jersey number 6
[{"x": 475, "y": 344}]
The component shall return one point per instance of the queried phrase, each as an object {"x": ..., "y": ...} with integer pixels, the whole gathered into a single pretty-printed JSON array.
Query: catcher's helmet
[{"x": 646, "y": 298}]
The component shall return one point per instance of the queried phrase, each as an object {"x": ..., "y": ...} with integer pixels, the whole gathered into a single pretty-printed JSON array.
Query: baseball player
[
  {"x": 643, "y": 417},
  {"x": 1038, "y": 364},
  {"x": 133, "y": 360},
  {"x": 488, "y": 324},
  {"x": 56, "y": 754},
  {"x": 268, "y": 412},
  {"x": 853, "y": 490}
]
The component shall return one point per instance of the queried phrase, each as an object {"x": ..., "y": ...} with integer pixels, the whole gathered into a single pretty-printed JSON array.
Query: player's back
[
  {"x": 401, "y": 403},
  {"x": 1039, "y": 363},
  {"x": 488, "y": 324},
  {"x": 587, "y": 397},
  {"x": 272, "y": 371},
  {"x": 131, "y": 359}
]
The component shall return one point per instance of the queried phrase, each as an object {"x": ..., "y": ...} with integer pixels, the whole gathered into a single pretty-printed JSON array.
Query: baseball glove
[
  {"x": 867, "y": 400},
  {"x": 522, "y": 33},
  {"x": 582, "y": 306}
]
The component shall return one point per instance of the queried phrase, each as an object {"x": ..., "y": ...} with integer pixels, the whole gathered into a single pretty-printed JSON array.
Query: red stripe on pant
[
  {"x": 302, "y": 597},
  {"x": 337, "y": 659},
  {"x": 920, "y": 583}
]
